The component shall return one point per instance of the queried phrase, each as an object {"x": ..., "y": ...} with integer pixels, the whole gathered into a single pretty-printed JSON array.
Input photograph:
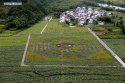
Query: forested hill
[
  {"x": 32, "y": 11},
  {"x": 23, "y": 16}
]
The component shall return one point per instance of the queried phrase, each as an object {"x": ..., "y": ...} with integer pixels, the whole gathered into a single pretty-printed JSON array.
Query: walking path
[
  {"x": 45, "y": 26},
  {"x": 105, "y": 45},
  {"x": 75, "y": 66},
  {"x": 28, "y": 40},
  {"x": 25, "y": 51}
]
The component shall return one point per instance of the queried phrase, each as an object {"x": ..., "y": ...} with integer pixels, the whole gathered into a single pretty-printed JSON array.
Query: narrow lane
[{"x": 106, "y": 46}]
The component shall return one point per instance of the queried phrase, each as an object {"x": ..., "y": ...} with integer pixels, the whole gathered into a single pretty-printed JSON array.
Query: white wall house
[{"x": 83, "y": 15}]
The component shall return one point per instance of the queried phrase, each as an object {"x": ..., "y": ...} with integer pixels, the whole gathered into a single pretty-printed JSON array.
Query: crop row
[{"x": 58, "y": 75}]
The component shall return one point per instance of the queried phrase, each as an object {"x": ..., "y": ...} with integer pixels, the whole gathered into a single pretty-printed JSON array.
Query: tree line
[{"x": 32, "y": 11}]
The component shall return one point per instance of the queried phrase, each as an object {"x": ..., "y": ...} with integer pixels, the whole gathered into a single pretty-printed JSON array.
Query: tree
[
  {"x": 104, "y": 19},
  {"x": 20, "y": 22},
  {"x": 122, "y": 26}
]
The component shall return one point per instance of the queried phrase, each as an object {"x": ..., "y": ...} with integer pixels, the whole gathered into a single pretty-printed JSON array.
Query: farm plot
[
  {"x": 11, "y": 55},
  {"x": 69, "y": 46},
  {"x": 12, "y": 48},
  {"x": 118, "y": 46}
]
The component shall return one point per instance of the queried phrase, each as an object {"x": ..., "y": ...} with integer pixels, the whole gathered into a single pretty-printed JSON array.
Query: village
[{"x": 83, "y": 16}]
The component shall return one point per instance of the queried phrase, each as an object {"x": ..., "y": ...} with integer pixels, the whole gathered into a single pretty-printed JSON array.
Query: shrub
[
  {"x": 106, "y": 19},
  {"x": 107, "y": 8}
]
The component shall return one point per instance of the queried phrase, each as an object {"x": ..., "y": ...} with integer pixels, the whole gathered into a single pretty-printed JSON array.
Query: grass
[
  {"x": 65, "y": 75},
  {"x": 114, "y": 39},
  {"x": 43, "y": 48},
  {"x": 21, "y": 37},
  {"x": 2, "y": 25},
  {"x": 10, "y": 45},
  {"x": 11, "y": 52},
  {"x": 11, "y": 72},
  {"x": 102, "y": 31},
  {"x": 11, "y": 56},
  {"x": 118, "y": 46}
]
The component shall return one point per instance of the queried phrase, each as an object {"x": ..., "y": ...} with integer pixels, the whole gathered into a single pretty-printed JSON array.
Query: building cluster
[{"x": 83, "y": 15}]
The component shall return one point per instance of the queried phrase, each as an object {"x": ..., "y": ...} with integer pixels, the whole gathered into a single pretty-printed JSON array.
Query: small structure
[
  {"x": 47, "y": 18},
  {"x": 101, "y": 23}
]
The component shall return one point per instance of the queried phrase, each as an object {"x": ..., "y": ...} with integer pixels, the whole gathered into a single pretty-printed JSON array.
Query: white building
[{"x": 83, "y": 15}]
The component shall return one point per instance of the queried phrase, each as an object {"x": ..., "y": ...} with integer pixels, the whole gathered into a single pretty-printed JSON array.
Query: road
[
  {"x": 45, "y": 26},
  {"x": 106, "y": 46}
]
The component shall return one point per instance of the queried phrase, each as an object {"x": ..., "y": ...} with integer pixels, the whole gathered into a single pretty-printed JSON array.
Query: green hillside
[{"x": 32, "y": 11}]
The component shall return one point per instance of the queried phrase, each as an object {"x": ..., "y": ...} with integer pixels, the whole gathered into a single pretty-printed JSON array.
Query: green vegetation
[
  {"x": 106, "y": 19},
  {"x": 113, "y": 33},
  {"x": 118, "y": 45},
  {"x": 21, "y": 37},
  {"x": 13, "y": 40},
  {"x": 114, "y": 26},
  {"x": 108, "y": 31},
  {"x": 120, "y": 2},
  {"x": 72, "y": 44},
  {"x": 59, "y": 75},
  {"x": 107, "y": 8},
  {"x": 32, "y": 11},
  {"x": 11, "y": 57}
]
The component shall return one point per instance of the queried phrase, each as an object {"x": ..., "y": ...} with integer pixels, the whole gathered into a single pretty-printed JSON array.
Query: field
[
  {"x": 58, "y": 75},
  {"x": 13, "y": 46},
  {"x": 118, "y": 46},
  {"x": 104, "y": 31},
  {"x": 11, "y": 72},
  {"x": 21, "y": 37},
  {"x": 68, "y": 46},
  {"x": 114, "y": 39},
  {"x": 11, "y": 53}
]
